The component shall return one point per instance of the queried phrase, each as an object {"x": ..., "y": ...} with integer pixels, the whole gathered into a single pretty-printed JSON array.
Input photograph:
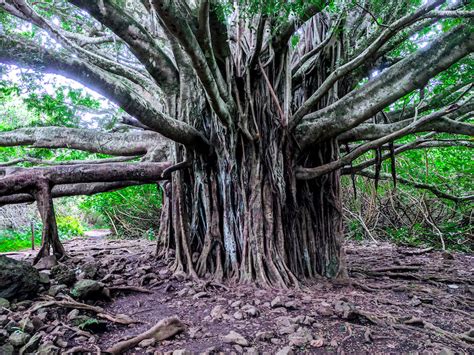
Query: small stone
[
  {"x": 37, "y": 322},
  {"x": 44, "y": 278},
  {"x": 301, "y": 338},
  {"x": 88, "y": 289},
  {"x": 48, "y": 349},
  {"x": 182, "y": 292},
  {"x": 46, "y": 262},
  {"x": 6, "y": 349},
  {"x": 291, "y": 305},
  {"x": 264, "y": 336},
  {"x": 236, "y": 304},
  {"x": 275, "y": 341},
  {"x": 250, "y": 310},
  {"x": 200, "y": 295},
  {"x": 73, "y": 314},
  {"x": 288, "y": 329},
  {"x": 32, "y": 345},
  {"x": 277, "y": 302},
  {"x": 238, "y": 315},
  {"x": 182, "y": 352},
  {"x": 54, "y": 290},
  {"x": 89, "y": 270},
  {"x": 446, "y": 351},
  {"x": 63, "y": 274},
  {"x": 61, "y": 343},
  {"x": 18, "y": 339},
  {"x": 3, "y": 320},
  {"x": 146, "y": 343},
  {"x": 217, "y": 312},
  {"x": 285, "y": 351},
  {"x": 235, "y": 338}
]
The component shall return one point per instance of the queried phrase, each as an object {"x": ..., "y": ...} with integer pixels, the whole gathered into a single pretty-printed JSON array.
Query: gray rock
[
  {"x": 7, "y": 349},
  {"x": 46, "y": 263},
  {"x": 88, "y": 289},
  {"x": 44, "y": 278},
  {"x": 146, "y": 343},
  {"x": 18, "y": 339},
  {"x": 238, "y": 315},
  {"x": 235, "y": 338},
  {"x": 48, "y": 349},
  {"x": 217, "y": 312},
  {"x": 89, "y": 270},
  {"x": 264, "y": 336},
  {"x": 73, "y": 314},
  {"x": 32, "y": 345},
  {"x": 54, "y": 290},
  {"x": 19, "y": 279},
  {"x": 251, "y": 311},
  {"x": 301, "y": 338},
  {"x": 285, "y": 351},
  {"x": 277, "y": 302},
  {"x": 325, "y": 309},
  {"x": 4, "y": 303},
  {"x": 63, "y": 274}
]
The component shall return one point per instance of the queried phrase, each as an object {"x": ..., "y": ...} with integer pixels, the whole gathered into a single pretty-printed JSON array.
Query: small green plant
[
  {"x": 87, "y": 323},
  {"x": 69, "y": 226}
]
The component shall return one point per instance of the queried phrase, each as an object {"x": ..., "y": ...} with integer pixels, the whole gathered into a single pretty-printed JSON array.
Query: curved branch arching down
[
  {"x": 136, "y": 101},
  {"x": 405, "y": 76},
  {"x": 371, "y": 175}
]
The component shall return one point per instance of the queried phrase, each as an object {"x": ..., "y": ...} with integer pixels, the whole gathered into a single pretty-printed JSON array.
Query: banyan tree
[{"x": 245, "y": 112}]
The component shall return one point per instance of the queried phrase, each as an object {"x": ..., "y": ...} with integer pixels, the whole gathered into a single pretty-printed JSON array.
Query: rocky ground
[{"x": 398, "y": 300}]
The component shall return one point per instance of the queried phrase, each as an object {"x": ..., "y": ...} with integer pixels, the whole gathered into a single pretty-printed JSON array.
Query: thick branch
[
  {"x": 311, "y": 173},
  {"x": 128, "y": 144},
  {"x": 140, "y": 41},
  {"x": 403, "y": 77},
  {"x": 25, "y": 179},
  {"x": 139, "y": 104}
]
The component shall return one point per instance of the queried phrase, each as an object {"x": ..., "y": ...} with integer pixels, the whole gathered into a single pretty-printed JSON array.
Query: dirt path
[{"x": 397, "y": 301}]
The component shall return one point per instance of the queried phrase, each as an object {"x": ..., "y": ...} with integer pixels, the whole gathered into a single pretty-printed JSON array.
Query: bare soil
[{"x": 397, "y": 300}]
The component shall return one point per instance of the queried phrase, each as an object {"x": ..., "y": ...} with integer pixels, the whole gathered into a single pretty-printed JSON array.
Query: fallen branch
[{"x": 164, "y": 329}]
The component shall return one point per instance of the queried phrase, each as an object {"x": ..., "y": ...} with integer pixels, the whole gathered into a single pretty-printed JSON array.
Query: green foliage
[
  {"x": 18, "y": 239},
  {"x": 11, "y": 240},
  {"x": 69, "y": 226},
  {"x": 132, "y": 212}
]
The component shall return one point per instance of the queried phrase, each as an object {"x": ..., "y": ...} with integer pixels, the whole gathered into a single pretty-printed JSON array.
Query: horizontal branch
[
  {"x": 311, "y": 173},
  {"x": 449, "y": 124},
  {"x": 27, "y": 179},
  {"x": 90, "y": 140},
  {"x": 37, "y": 161},
  {"x": 432, "y": 188},
  {"x": 405, "y": 76}
]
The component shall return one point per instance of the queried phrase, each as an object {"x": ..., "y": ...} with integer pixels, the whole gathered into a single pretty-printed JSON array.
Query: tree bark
[{"x": 49, "y": 237}]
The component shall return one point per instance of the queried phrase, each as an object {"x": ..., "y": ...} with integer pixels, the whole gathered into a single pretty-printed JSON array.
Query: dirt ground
[{"x": 397, "y": 300}]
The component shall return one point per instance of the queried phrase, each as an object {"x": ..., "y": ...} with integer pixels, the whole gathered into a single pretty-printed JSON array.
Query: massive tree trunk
[{"x": 239, "y": 212}]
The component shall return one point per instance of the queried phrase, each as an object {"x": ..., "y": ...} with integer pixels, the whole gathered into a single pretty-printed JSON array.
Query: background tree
[{"x": 258, "y": 98}]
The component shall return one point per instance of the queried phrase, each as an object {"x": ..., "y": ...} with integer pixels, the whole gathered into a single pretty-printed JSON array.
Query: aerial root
[{"x": 99, "y": 311}]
